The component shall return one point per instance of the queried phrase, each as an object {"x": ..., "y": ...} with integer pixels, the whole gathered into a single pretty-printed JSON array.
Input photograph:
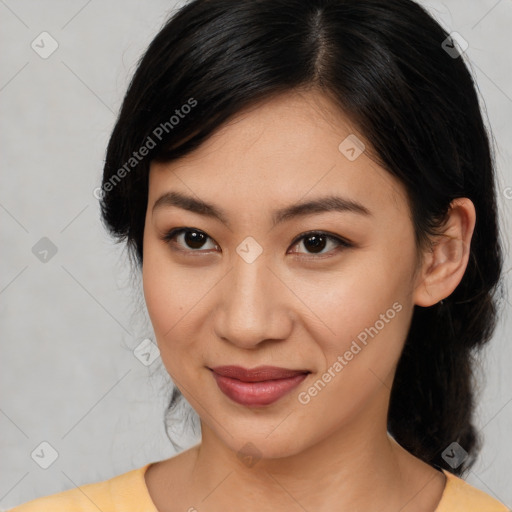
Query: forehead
[{"x": 279, "y": 151}]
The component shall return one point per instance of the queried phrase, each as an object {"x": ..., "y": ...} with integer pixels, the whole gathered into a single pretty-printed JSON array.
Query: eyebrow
[{"x": 317, "y": 205}]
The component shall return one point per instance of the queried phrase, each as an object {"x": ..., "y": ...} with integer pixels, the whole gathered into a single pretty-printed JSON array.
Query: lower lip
[{"x": 255, "y": 394}]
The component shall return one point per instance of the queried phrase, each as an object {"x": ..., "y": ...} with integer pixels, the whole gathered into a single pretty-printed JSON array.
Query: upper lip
[{"x": 257, "y": 374}]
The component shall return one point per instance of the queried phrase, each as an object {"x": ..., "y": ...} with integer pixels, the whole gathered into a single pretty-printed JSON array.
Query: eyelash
[{"x": 342, "y": 244}]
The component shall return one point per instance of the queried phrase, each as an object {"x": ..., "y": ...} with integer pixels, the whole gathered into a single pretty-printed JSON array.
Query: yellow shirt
[{"x": 128, "y": 493}]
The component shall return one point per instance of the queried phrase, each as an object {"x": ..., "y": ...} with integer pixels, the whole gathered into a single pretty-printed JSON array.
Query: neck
[{"x": 354, "y": 468}]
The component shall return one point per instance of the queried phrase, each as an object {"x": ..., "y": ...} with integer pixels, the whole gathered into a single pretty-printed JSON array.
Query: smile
[{"x": 257, "y": 387}]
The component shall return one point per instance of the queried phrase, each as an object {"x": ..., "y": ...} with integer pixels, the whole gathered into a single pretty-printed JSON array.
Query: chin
[{"x": 257, "y": 445}]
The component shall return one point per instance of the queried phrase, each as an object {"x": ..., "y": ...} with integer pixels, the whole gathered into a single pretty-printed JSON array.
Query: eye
[
  {"x": 317, "y": 241},
  {"x": 314, "y": 241},
  {"x": 193, "y": 238}
]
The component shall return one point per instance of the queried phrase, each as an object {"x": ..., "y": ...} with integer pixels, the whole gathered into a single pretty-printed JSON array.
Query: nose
[{"x": 254, "y": 305}]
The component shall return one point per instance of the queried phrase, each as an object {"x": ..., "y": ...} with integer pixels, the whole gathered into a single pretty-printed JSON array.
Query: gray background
[{"x": 69, "y": 376}]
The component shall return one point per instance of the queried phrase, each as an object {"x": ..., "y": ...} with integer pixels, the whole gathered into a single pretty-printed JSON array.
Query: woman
[{"x": 308, "y": 190}]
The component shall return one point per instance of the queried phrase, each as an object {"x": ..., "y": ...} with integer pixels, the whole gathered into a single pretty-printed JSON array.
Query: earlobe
[{"x": 444, "y": 265}]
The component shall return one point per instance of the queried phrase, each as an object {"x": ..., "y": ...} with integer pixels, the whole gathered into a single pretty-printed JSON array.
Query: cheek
[
  {"x": 341, "y": 305},
  {"x": 369, "y": 327},
  {"x": 166, "y": 310},
  {"x": 163, "y": 292},
  {"x": 177, "y": 301},
  {"x": 365, "y": 315}
]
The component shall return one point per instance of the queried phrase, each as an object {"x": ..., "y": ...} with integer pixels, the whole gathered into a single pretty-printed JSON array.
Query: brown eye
[
  {"x": 192, "y": 239},
  {"x": 316, "y": 241}
]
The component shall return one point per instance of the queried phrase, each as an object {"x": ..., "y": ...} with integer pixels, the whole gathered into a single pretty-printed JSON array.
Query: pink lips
[{"x": 258, "y": 386}]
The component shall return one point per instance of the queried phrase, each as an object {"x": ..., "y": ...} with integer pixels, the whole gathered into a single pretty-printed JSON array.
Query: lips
[
  {"x": 258, "y": 374},
  {"x": 257, "y": 386}
]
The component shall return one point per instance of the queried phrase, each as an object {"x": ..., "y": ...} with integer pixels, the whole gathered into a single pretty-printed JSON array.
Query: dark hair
[{"x": 384, "y": 64}]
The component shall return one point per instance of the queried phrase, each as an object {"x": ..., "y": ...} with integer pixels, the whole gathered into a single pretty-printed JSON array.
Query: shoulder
[
  {"x": 459, "y": 496},
  {"x": 123, "y": 492}
]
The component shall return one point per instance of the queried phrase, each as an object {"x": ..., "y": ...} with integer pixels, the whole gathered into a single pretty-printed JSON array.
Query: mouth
[{"x": 259, "y": 386}]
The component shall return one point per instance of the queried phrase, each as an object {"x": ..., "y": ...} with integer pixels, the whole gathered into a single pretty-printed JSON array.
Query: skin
[{"x": 291, "y": 307}]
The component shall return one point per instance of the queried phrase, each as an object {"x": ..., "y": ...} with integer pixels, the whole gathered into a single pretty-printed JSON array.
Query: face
[{"x": 325, "y": 290}]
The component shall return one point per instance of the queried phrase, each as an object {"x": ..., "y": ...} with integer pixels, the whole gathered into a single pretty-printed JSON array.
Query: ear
[{"x": 445, "y": 262}]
